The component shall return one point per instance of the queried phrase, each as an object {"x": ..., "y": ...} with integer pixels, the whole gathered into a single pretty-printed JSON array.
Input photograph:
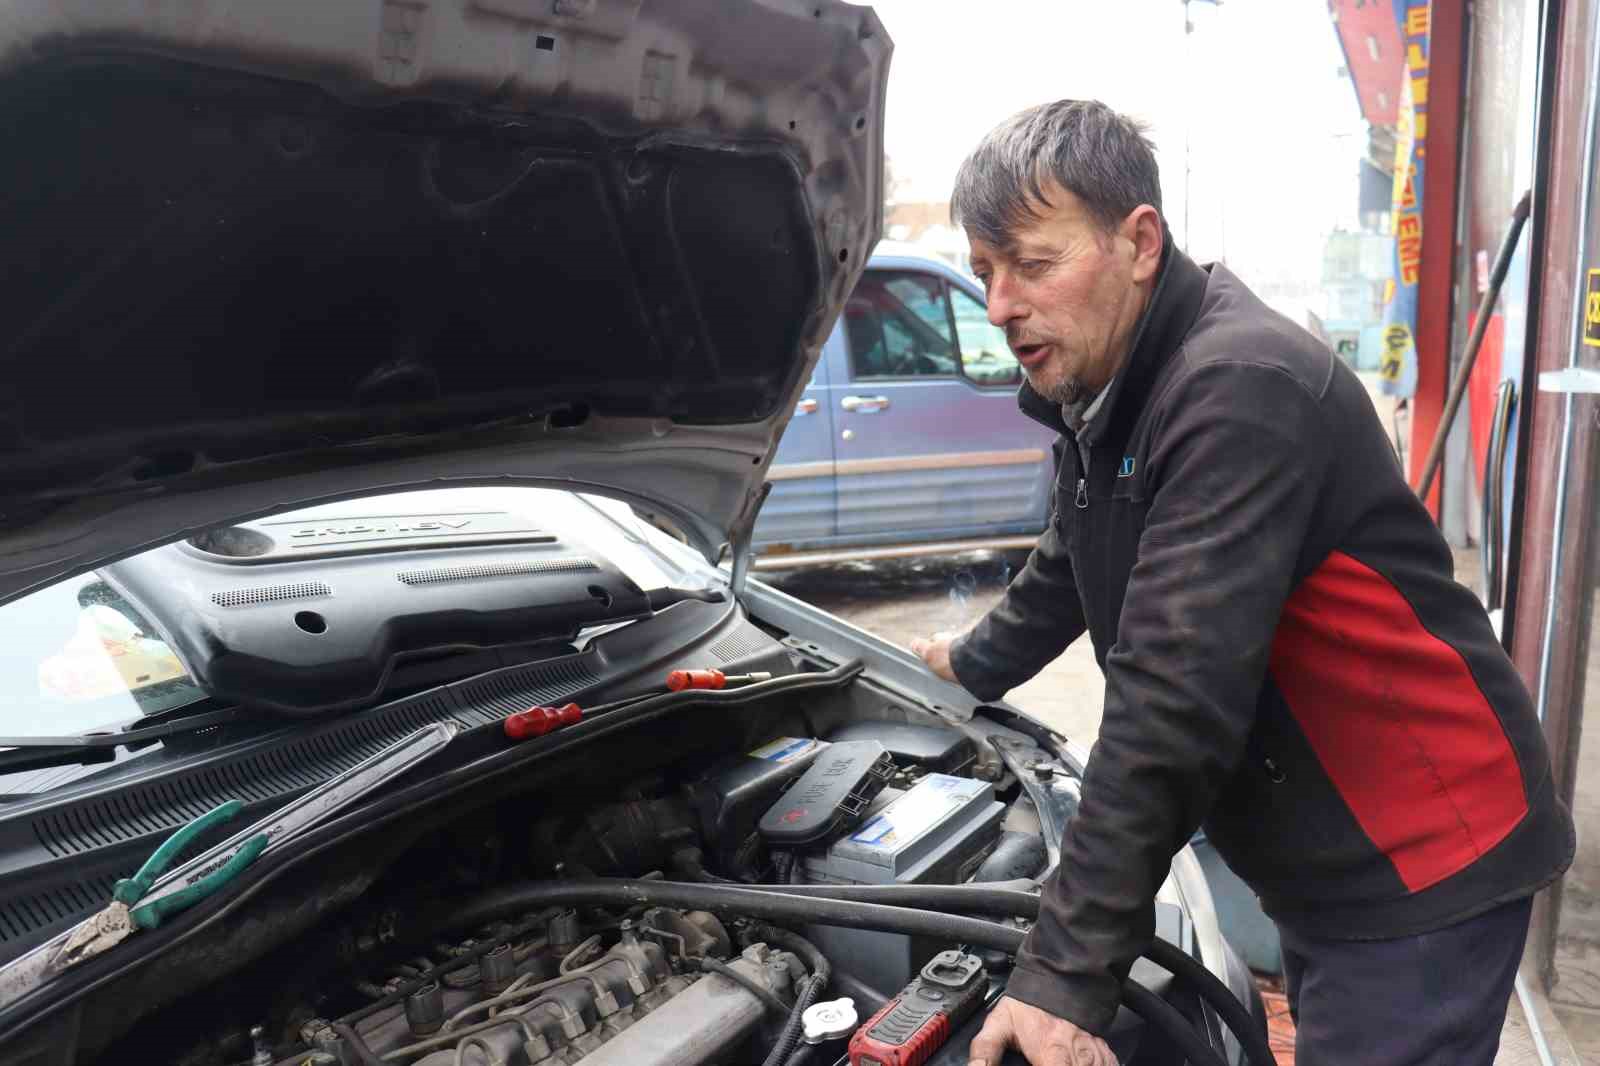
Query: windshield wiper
[
  {"x": 662, "y": 598},
  {"x": 38, "y": 753},
  {"x": 178, "y": 889}
]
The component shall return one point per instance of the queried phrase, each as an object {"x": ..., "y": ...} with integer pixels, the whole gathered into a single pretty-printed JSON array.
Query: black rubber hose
[
  {"x": 821, "y": 973},
  {"x": 807, "y": 1054},
  {"x": 994, "y": 898},
  {"x": 364, "y": 1055},
  {"x": 815, "y": 960},
  {"x": 750, "y": 984},
  {"x": 738, "y": 900},
  {"x": 692, "y": 863},
  {"x": 793, "y": 903},
  {"x": 791, "y": 1028},
  {"x": 1164, "y": 1016},
  {"x": 1004, "y": 902},
  {"x": 1016, "y": 856},
  {"x": 824, "y": 1054}
]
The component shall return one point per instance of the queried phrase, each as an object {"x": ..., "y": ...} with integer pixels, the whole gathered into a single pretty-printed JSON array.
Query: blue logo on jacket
[{"x": 1126, "y": 469}]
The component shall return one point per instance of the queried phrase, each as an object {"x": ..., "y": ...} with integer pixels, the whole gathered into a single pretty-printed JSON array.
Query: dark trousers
[{"x": 1436, "y": 999}]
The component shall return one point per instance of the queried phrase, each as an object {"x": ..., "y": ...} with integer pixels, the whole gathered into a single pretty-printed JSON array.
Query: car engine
[
  {"x": 671, "y": 987},
  {"x": 871, "y": 803},
  {"x": 693, "y": 892}
]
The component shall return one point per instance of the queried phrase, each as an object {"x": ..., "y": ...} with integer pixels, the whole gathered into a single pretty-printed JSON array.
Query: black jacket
[{"x": 1288, "y": 658}]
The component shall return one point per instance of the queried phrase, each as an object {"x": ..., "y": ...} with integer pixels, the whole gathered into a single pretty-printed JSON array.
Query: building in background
[
  {"x": 926, "y": 224},
  {"x": 1356, "y": 267},
  {"x": 1357, "y": 264}
]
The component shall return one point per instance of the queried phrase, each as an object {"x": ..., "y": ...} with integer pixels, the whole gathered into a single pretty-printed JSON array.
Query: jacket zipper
[{"x": 1082, "y": 499}]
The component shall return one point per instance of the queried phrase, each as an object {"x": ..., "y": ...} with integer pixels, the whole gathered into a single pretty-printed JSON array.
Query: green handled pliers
[{"x": 130, "y": 910}]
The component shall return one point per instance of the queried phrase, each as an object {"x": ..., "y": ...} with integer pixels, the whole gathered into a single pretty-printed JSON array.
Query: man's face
[{"x": 1068, "y": 293}]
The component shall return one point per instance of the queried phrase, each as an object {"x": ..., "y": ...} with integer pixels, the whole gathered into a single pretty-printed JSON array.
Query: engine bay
[
  {"x": 795, "y": 863},
  {"x": 646, "y": 984},
  {"x": 696, "y": 878},
  {"x": 723, "y": 884}
]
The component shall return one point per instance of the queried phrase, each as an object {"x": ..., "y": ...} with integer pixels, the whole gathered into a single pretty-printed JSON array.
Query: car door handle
[
  {"x": 865, "y": 404},
  {"x": 806, "y": 407}
]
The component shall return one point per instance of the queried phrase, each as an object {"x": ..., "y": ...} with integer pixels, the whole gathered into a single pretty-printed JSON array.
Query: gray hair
[{"x": 1101, "y": 157}]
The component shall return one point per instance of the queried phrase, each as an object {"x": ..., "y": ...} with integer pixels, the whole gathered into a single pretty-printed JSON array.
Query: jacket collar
[{"x": 1174, "y": 305}]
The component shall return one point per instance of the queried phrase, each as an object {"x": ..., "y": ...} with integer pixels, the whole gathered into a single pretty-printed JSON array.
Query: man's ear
[{"x": 1142, "y": 228}]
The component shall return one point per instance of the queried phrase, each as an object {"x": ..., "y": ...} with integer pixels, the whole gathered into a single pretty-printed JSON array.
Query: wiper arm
[
  {"x": 180, "y": 888},
  {"x": 38, "y": 753},
  {"x": 662, "y": 598}
]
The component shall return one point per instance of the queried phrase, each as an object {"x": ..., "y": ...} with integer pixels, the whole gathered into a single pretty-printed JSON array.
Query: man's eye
[{"x": 1031, "y": 266}]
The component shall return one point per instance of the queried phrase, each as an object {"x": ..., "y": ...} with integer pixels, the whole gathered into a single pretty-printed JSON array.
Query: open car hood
[{"x": 264, "y": 255}]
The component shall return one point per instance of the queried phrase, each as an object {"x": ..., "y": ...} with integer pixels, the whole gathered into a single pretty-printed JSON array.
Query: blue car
[{"x": 908, "y": 435}]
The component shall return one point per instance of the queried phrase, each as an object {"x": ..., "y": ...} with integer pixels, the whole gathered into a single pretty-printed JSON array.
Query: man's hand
[
  {"x": 935, "y": 651},
  {"x": 1043, "y": 1039}
]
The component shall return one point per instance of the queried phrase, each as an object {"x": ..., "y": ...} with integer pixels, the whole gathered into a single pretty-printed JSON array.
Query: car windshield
[{"x": 78, "y": 657}]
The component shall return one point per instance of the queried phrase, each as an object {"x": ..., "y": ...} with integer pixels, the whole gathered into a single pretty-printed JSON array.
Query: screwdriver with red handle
[
  {"x": 679, "y": 680},
  {"x": 537, "y": 721}
]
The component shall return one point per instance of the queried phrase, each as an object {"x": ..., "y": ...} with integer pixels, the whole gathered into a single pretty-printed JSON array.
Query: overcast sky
[{"x": 1275, "y": 132}]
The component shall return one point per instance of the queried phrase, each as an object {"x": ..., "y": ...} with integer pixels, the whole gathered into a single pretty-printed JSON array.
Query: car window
[
  {"x": 898, "y": 325},
  {"x": 986, "y": 358}
]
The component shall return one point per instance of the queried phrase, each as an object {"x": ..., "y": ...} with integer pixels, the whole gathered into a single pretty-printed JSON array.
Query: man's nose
[{"x": 1004, "y": 303}]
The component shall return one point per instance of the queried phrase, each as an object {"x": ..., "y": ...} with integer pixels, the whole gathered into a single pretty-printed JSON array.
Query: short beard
[{"x": 1064, "y": 392}]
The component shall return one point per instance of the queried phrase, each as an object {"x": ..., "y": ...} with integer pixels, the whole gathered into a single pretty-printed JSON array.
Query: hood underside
[{"x": 264, "y": 255}]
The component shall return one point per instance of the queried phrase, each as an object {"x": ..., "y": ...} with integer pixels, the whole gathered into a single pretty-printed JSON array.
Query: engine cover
[{"x": 303, "y": 617}]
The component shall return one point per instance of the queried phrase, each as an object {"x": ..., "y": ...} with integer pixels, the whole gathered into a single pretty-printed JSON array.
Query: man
[{"x": 1287, "y": 657}]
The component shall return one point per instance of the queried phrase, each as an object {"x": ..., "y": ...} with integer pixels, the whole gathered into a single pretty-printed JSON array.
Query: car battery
[
  {"x": 939, "y": 831},
  {"x": 936, "y": 832}
]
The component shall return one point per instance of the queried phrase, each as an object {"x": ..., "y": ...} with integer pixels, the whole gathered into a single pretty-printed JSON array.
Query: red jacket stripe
[{"x": 1398, "y": 722}]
